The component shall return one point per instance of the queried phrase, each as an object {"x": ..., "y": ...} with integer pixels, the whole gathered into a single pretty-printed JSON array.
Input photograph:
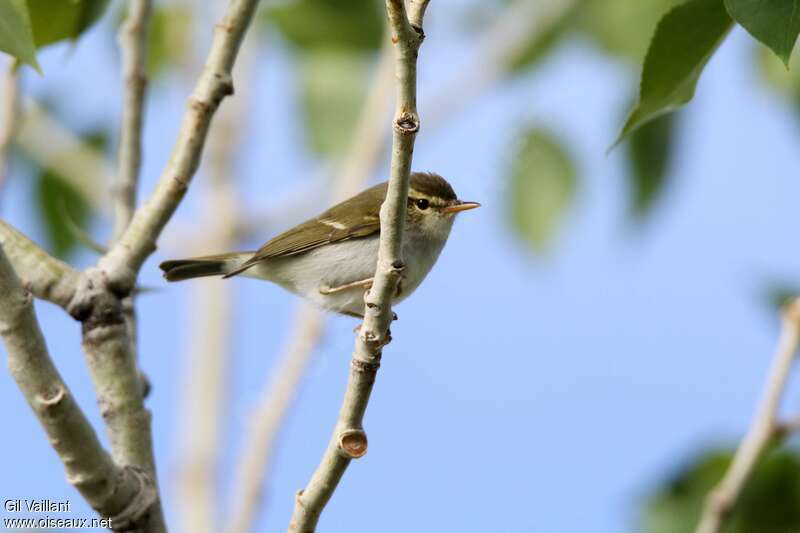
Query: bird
[{"x": 330, "y": 260}]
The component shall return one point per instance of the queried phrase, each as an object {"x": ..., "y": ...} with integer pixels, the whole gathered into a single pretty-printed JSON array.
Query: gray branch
[
  {"x": 123, "y": 494},
  {"x": 349, "y": 441}
]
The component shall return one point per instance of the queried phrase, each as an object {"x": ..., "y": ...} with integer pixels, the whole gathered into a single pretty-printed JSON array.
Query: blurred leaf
[
  {"x": 169, "y": 37},
  {"x": 62, "y": 209},
  {"x": 333, "y": 92},
  {"x": 649, "y": 151},
  {"x": 676, "y": 508},
  {"x": 778, "y": 295},
  {"x": 57, "y": 20},
  {"x": 330, "y": 23},
  {"x": 544, "y": 42},
  {"x": 684, "y": 41},
  {"x": 543, "y": 182},
  {"x": 776, "y": 23},
  {"x": 16, "y": 36},
  {"x": 622, "y": 27},
  {"x": 770, "y": 502},
  {"x": 58, "y": 200}
]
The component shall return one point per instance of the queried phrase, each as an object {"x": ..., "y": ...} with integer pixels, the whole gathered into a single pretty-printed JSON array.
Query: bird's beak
[{"x": 460, "y": 206}]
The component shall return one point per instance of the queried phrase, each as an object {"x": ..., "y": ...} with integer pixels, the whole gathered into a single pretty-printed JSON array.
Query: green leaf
[
  {"x": 16, "y": 35},
  {"x": 543, "y": 183},
  {"x": 333, "y": 93},
  {"x": 330, "y": 23},
  {"x": 769, "y": 503},
  {"x": 649, "y": 153},
  {"x": 168, "y": 38},
  {"x": 62, "y": 208},
  {"x": 776, "y": 23},
  {"x": 57, "y": 20},
  {"x": 57, "y": 202},
  {"x": 684, "y": 41}
]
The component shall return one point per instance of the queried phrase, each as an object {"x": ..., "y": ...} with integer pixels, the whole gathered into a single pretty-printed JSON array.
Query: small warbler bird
[{"x": 331, "y": 259}]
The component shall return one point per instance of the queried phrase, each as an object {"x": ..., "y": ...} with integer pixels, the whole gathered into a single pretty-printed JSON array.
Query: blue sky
[{"x": 554, "y": 391}]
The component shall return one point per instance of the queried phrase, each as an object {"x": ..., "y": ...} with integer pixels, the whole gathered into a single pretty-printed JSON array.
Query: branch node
[
  {"x": 50, "y": 401},
  {"x": 407, "y": 123},
  {"x": 361, "y": 366},
  {"x": 352, "y": 443},
  {"x": 142, "y": 500},
  {"x": 225, "y": 82}
]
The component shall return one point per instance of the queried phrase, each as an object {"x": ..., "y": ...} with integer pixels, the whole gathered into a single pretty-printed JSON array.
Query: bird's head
[{"x": 433, "y": 204}]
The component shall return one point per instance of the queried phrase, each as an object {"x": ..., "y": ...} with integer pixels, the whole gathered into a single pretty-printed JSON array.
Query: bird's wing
[{"x": 356, "y": 218}]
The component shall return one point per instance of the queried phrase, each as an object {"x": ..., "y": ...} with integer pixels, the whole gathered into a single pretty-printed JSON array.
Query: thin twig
[
  {"x": 764, "y": 429},
  {"x": 279, "y": 392},
  {"x": 132, "y": 39},
  {"x": 349, "y": 441},
  {"x": 9, "y": 112},
  {"x": 123, "y": 494}
]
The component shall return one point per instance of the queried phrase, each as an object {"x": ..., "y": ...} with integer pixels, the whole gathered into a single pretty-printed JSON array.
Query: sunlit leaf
[
  {"x": 330, "y": 23},
  {"x": 16, "y": 35},
  {"x": 333, "y": 91},
  {"x": 650, "y": 150},
  {"x": 58, "y": 20},
  {"x": 776, "y": 23},
  {"x": 543, "y": 183},
  {"x": 769, "y": 503},
  {"x": 684, "y": 41}
]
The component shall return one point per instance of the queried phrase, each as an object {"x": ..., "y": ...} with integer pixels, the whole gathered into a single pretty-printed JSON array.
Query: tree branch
[
  {"x": 349, "y": 441},
  {"x": 123, "y": 494},
  {"x": 764, "y": 429},
  {"x": 279, "y": 392},
  {"x": 215, "y": 83},
  {"x": 42, "y": 274},
  {"x": 133, "y": 45}
]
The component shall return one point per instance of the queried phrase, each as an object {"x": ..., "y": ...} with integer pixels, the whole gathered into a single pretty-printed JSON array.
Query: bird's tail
[{"x": 199, "y": 267}]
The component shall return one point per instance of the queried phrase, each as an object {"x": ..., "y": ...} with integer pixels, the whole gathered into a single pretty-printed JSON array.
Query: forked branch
[{"x": 122, "y": 493}]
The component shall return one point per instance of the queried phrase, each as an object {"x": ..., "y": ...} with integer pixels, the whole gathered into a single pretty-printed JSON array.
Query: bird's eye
[{"x": 423, "y": 204}]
